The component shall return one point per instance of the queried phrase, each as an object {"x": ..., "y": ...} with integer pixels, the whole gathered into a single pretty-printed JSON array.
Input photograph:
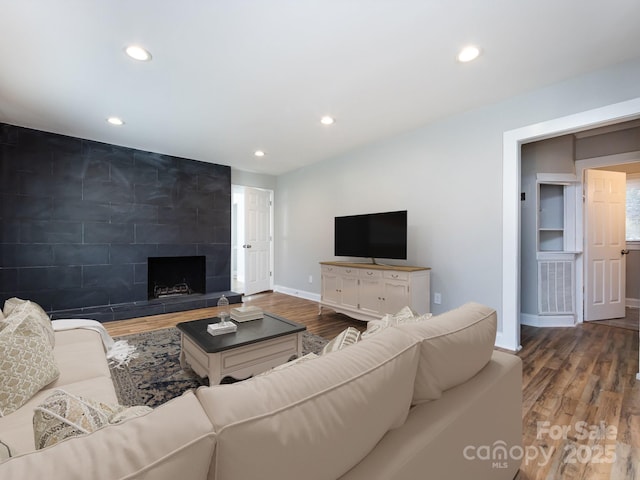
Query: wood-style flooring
[
  {"x": 631, "y": 320},
  {"x": 581, "y": 399},
  {"x": 297, "y": 309}
]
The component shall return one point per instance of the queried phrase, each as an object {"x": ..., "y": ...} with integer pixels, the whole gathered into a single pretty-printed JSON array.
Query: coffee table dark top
[{"x": 253, "y": 331}]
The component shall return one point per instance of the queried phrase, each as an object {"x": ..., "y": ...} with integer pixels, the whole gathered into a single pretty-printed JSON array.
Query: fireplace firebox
[{"x": 175, "y": 276}]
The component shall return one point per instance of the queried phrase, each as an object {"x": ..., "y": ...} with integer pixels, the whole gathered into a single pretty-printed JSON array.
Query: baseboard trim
[
  {"x": 502, "y": 343},
  {"x": 547, "y": 320},
  {"x": 314, "y": 297},
  {"x": 632, "y": 302}
]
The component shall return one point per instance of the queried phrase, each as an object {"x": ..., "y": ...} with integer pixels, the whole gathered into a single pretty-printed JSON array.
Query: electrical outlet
[
  {"x": 310, "y": 278},
  {"x": 437, "y": 298}
]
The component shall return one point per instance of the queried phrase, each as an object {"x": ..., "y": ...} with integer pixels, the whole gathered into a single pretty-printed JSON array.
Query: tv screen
[{"x": 374, "y": 235}]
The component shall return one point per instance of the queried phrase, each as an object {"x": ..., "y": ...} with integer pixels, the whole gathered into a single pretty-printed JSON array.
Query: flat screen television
[{"x": 373, "y": 235}]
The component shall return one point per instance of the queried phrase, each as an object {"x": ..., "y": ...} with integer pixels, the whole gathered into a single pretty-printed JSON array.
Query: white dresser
[{"x": 368, "y": 291}]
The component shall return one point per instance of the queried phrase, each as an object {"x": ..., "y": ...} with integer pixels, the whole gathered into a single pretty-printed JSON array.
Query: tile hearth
[{"x": 107, "y": 313}]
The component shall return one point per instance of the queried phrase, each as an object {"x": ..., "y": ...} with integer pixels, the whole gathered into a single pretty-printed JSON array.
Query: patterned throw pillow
[
  {"x": 64, "y": 415},
  {"x": 26, "y": 362},
  {"x": 345, "y": 338},
  {"x": 17, "y": 306}
]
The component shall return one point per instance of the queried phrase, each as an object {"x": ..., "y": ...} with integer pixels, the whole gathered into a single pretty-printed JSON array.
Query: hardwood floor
[
  {"x": 294, "y": 308},
  {"x": 631, "y": 320},
  {"x": 570, "y": 375},
  {"x": 581, "y": 374}
]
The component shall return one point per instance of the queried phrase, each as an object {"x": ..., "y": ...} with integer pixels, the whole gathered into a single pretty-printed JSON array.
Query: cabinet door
[
  {"x": 370, "y": 291},
  {"x": 395, "y": 296},
  {"x": 349, "y": 290},
  {"x": 330, "y": 287}
]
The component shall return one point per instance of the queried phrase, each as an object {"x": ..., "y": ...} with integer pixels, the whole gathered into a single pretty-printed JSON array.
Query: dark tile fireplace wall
[{"x": 80, "y": 218}]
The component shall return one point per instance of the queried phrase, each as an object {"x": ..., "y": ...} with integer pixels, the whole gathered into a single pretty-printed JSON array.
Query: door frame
[
  {"x": 508, "y": 336},
  {"x": 239, "y": 190},
  {"x": 581, "y": 166}
]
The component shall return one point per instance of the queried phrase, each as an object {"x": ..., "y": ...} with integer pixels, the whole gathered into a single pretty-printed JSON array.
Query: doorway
[
  {"x": 508, "y": 335},
  {"x": 251, "y": 239},
  {"x": 628, "y": 166}
]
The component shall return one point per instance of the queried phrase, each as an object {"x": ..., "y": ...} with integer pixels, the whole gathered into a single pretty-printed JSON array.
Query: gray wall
[
  {"x": 554, "y": 155},
  {"x": 250, "y": 179},
  {"x": 633, "y": 275},
  {"x": 447, "y": 174},
  {"x": 79, "y": 218}
]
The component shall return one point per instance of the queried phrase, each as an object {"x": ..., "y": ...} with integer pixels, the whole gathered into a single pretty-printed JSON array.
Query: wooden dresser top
[{"x": 375, "y": 266}]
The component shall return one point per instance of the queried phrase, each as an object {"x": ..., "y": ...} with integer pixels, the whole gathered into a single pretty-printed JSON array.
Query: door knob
[{"x": 625, "y": 251}]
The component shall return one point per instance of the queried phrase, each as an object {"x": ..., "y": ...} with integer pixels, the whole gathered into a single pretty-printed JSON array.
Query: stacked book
[
  {"x": 244, "y": 314},
  {"x": 221, "y": 327}
]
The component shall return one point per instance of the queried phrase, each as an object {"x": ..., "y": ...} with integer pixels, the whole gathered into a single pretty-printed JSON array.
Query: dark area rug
[{"x": 155, "y": 375}]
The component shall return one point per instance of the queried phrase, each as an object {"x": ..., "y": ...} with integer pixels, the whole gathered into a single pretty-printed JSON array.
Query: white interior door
[
  {"x": 257, "y": 240},
  {"x": 605, "y": 244}
]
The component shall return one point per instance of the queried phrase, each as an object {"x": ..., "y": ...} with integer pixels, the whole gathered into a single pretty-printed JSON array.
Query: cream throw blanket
[{"x": 118, "y": 353}]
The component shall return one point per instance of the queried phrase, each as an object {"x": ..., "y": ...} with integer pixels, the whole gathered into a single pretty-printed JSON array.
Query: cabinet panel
[
  {"x": 395, "y": 296},
  {"x": 370, "y": 295},
  {"x": 330, "y": 288},
  {"x": 349, "y": 291}
]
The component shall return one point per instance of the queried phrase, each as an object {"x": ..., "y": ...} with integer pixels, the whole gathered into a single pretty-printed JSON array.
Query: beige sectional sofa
[{"x": 415, "y": 401}]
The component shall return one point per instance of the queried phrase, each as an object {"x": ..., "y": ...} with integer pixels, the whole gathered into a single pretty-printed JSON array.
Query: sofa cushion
[
  {"x": 74, "y": 344},
  {"x": 5, "y": 451},
  {"x": 175, "y": 440},
  {"x": 27, "y": 363},
  {"x": 454, "y": 347},
  {"x": 316, "y": 419}
]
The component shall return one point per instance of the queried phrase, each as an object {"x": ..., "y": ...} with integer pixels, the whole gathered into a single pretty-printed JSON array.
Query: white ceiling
[{"x": 232, "y": 76}]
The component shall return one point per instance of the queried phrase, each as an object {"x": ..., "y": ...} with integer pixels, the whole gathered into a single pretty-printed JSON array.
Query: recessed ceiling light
[
  {"x": 115, "y": 121},
  {"x": 468, "y": 54},
  {"x": 259, "y": 153},
  {"x": 138, "y": 53},
  {"x": 327, "y": 120}
]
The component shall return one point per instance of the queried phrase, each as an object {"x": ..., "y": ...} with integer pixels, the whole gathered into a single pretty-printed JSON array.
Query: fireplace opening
[{"x": 175, "y": 276}]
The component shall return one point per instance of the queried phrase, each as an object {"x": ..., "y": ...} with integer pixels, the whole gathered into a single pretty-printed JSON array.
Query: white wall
[{"x": 448, "y": 175}]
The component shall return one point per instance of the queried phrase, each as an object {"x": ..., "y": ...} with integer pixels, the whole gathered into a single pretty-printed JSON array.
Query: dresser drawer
[
  {"x": 366, "y": 273},
  {"x": 404, "y": 276}
]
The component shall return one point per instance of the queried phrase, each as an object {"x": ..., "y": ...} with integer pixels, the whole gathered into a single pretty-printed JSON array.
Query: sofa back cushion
[
  {"x": 175, "y": 440},
  {"x": 454, "y": 347},
  {"x": 317, "y": 419}
]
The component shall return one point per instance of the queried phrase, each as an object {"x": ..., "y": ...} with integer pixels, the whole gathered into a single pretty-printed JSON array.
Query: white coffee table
[{"x": 255, "y": 347}]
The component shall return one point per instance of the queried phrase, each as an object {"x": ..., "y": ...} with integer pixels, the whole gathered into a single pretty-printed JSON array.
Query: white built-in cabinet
[
  {"x": 557, "y": 250},
  {"x": 369, "y": 291}
]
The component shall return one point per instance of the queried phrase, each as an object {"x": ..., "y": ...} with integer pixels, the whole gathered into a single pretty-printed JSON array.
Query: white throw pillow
[
  {"x": 405, "y": 315},
  {"x": 347, "y": 337}
]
